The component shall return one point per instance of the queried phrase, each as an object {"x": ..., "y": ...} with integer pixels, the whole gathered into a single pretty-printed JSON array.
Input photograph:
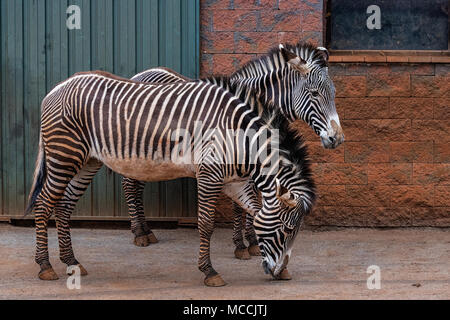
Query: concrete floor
[{"x": 415, "y": 264}]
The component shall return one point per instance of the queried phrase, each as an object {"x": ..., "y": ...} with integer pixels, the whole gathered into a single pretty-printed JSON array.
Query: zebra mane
[
  {"x": 305, "y": 50},
  {"x": 244, "y": 93},
  {"x": 292, "y": 147}
]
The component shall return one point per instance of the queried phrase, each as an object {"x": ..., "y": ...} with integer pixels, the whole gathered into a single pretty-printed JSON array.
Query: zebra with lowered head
[
  {"x": 151, "y": 132},
  {"x": 267, "y": 83}
]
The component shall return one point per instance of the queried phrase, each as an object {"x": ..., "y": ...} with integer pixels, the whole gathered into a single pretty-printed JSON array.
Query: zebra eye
[{"x": 315, "y": 93}]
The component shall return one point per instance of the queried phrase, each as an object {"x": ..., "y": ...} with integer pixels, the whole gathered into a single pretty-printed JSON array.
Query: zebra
[
  {"x": 96, "y": 118},
  {"x": 315, "y": 58},
  {"x": 248, "y": 77}
]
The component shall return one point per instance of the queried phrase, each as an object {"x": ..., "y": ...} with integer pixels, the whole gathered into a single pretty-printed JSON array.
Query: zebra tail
[{"x": 40, "y": 173}]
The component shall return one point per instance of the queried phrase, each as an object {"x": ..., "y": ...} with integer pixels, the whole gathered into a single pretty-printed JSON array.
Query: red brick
[
  {"x": 217, "y": 42},
  {"x": 312, "y": 21},
  {"x": 228, "y": 63},
  {"x": 441, "y": 153},
  {"x": 412, "y": 196},
  {"x": 414, "y": 69},
  {"x": 299, "y": 4},
  {"x": 367, "y": 196},
  {"x": 216, "y": 4},
  {"x": 206, "y": 65},
  {"x": 255, "y": 4},
  {"x": 411, "y": 152},
  {"x": 319, "y": 154},
  {"x": 430, "y": 217},
  {"x": 279, "y": 20},
  {"x": 442, "y": 108},
  {"x": 389, "y": 173},
  {"x": 366, "y": 152},
  {"x": 411, "y": 108},
  {"x": 291, "y": 37},
  {"x": 305, "y": 130},
  {"x": 355, "y": 130},
  {"x": 335, "y": 59},
  {"x": 206, "y": 21},
  {"x": 442, "y": 196},
  {"x": 365, "y": 108},
  {"x": 430, "y": 86},
  {"x": 374, "y": 58},
  {"x": 348, "y": 58},
  {"x": 351, "y": 69},
  {"x": 320, "y": 216},
  {"x": 370, "y": 216},
  {"x": 350, "y": 86},
  {"x": 397, "y": 59},
  {"x": 437, "y": 174},
  {"x": 340, "y": 173},
  {"x": 383, "y": 85},
  {"x": 315, "y": 37},
  {"x": 389, "y": 130},
  {"x": 254, "y": 42},
  {"x": 442, "y": 69},
  {"x": 419, "y": 59},
  {"x": 330, "y": 195},
  {"x": 360, "y": 216},
  {"x": 427, "y": 130},
  {"x": 235, "y": 20},
  {"x": 341, "y": 104}
]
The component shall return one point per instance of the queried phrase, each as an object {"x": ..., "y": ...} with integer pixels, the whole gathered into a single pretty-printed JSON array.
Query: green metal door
[{"x": 38, "y": 50}]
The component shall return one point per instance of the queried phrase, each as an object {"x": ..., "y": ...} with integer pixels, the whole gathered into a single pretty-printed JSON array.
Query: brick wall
[{"x": 394, "y": 168}]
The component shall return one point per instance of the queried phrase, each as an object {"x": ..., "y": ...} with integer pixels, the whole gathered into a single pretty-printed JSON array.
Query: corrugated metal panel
[{"x": 119, "y": 36}]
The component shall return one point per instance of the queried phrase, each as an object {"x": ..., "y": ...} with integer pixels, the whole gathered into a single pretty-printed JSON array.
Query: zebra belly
[{"x": 148, "y": 170}]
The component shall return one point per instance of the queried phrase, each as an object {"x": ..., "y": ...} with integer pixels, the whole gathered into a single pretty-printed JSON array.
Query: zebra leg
[
  {"x": 42, "y": 212},
  {"x": 250, "y": 236},
  {"x": 133, "y": 190},
  {"x": 208, "y": 193},
  {"x": 241, "y": 251},
  {"x": 245, "y": 197},
  {"x": 52, "y": 191},
  {"x": 64, "y": 209}
]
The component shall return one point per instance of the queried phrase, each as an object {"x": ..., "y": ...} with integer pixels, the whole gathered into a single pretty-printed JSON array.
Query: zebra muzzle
[{"x": 266, "y": 268}]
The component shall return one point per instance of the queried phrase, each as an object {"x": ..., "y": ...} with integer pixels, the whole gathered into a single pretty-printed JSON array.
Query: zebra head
[
  {"x": 312, "y": 91},
  {"x": 295, "y": 80},
  {"x": 287, "y": 197},
  {"x": 276, "y": 227}
]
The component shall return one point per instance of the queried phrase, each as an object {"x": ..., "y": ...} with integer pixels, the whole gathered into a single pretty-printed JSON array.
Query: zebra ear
[
  {"x": 324, "y": 52},
  {"x": 284, "y": 195},
  {"x": 294, "y": 60}
]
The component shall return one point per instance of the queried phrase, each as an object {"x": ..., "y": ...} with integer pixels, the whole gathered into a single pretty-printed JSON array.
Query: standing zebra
[
  {"x": 303, "y": 83},
  {"x": 150, "y": 132},
  {"x": 257, "y": 77}
]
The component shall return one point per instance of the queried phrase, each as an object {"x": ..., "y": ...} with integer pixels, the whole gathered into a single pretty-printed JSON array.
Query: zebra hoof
[
  {"x": 83, "y": 271},
  {"x": 254, "y": 250},
  {"x": 284, "y": 275},
  {"x": 142, "y": 241},
  {"x": 152, "y": 238},
  {"x": 48, "y": 274},
  {"x": 242, "y": 254},
  {"x": 214, "y": 281}
]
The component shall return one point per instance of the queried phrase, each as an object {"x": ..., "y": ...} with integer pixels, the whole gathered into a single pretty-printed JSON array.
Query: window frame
[{"x": 381, "y": 56}]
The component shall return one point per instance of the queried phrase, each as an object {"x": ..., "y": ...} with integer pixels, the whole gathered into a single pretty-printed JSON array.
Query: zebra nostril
[{"x": 332, "y": 139}]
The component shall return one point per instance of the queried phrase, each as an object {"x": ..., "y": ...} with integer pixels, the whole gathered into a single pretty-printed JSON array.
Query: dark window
[{"x": 388, "y": 24}]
